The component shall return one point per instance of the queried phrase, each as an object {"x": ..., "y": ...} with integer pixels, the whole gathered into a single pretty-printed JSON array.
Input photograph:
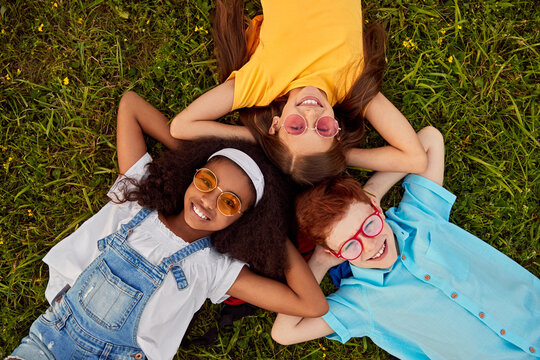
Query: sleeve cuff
[{"x": 341, "y": 333}]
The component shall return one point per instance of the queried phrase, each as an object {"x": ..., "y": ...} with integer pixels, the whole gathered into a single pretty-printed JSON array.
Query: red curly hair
[{"x": 319, "y": 208}]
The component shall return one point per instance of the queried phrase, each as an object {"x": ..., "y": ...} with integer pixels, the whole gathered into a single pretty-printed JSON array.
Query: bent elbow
[
  {"x": 180, "y": 128},
  {"x": 316, "y": 310},
  {"x": 280, "y": 337}
]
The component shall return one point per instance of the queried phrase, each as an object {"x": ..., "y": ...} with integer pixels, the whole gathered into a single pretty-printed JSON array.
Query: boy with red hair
[{"x": 421, "y": 287}]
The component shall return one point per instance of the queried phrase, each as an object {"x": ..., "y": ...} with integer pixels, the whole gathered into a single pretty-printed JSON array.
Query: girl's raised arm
[
  {"x": 433, "y": 144},
  {"x": 135, "y": 118},
  {"x": 301, "y": 296},
  {"x": 197, "y": 120},
  {"x": 404, "y": 152}
]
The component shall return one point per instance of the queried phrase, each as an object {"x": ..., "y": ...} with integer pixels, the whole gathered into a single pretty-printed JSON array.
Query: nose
[
  {"x": 209, "y": 199},
  {"x": 311, "y": 114}
]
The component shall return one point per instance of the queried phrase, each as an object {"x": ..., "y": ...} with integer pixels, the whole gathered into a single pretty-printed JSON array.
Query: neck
[{"x": 177, "y": 224}]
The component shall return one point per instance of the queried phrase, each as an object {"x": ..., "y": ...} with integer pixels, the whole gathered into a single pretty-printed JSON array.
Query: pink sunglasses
[{"x": 326, "y": 126}]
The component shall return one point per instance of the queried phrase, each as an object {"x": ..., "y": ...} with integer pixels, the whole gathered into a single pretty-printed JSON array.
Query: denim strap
[
  {"x": 171, "y": 263},
  {"x": 125, "y": 229}
]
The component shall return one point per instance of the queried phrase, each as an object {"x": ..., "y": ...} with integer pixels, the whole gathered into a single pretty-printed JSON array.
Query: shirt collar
[{"x": 372, "y": 276}]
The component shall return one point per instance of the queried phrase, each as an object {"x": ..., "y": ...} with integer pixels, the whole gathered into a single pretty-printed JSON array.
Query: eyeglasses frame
[
  {"x": 361, "y": 231},
  {"x": 314, "y": 128},
  {"x": 221, "y": 191}
]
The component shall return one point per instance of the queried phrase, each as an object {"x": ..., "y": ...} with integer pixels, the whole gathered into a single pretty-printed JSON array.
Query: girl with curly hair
[
  {"x": 304, "y": 77},
  {"x": 179, "y": 229}
]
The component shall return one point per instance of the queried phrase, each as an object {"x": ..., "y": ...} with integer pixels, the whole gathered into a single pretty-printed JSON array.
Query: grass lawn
[{"x": 469, "y": 68}]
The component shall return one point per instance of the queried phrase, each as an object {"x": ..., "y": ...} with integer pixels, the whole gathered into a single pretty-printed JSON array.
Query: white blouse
[{"x": 167, "y": 314}]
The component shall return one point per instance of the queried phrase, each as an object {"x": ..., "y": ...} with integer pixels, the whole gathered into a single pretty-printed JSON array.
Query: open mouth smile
[
  {"x": 380, "y": 252},
  {"x": 199, "y": 212},
  {"x": 309, "y": 101}
]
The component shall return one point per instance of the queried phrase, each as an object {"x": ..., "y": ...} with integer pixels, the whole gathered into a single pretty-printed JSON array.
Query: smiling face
[
  {"x": 311, "y": 103},
  {"x": 200, "y": 208},
  {"x": 379, "y": 252}
]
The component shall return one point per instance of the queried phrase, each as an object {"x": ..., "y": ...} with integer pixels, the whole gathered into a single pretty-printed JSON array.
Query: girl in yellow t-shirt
[{"x": 303, "y": 77}]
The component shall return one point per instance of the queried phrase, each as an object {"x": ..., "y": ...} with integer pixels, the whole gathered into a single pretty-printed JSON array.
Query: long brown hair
[{"x": 230, "y": 45}]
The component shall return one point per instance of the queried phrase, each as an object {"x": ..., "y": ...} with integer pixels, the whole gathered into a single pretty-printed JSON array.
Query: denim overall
[{"x": 99, "y": 316}]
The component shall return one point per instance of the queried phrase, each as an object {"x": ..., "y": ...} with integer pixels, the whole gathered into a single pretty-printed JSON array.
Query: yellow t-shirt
[{"x": 301, "y": 43}]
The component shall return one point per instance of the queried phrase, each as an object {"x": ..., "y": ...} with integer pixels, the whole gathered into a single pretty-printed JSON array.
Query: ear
[{"x": 274, "y": 127}]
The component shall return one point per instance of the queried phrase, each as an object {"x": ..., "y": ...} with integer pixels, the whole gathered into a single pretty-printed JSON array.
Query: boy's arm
[
  {"x": 301, "y": 295},
  {"x": 289, "y": 329},
  {"x": 404, "y": 152},
  {"x": 433, "y": 144},
  {"x": 197, "y": 120}
]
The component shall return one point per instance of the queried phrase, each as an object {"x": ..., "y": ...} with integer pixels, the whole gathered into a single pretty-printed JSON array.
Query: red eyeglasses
[
  {"x": 326, "y": 126},
  {"x": 371, "y": 227}
]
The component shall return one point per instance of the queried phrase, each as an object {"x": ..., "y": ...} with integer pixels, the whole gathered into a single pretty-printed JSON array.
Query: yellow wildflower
[
  {"x": 443, "y": 31},
  {"x": 125, "y": 39},
  {"x": 55, "y": 4},
  {"x": 197, "y": 28},
  {"x": 450, "y": 59},
  {"x": 2, "y": 243},
  {"x": 30, "y": 213},
  {"x": 40, "y": 28},
  {"x": 18, "y": 71},
  {"x": 80, "y": 21},
  {"x": 3, "y": 31},
  {"x": 10, "y": 158},
  {"x": 323, "y": 355},
  {"x": 459, "y": 27},
  {"x": 8, "y": 78},
  {"x": 409, "y": 44},
  {"x": 66, "y": 80},
  {"x": 147, "y": 21}
]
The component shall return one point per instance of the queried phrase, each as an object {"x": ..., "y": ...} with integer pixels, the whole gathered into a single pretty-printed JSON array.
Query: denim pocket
[{"x": 106, "y": 298}]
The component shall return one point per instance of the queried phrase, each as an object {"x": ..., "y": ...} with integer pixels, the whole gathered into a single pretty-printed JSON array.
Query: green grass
[{"x": 469, "y": 68}]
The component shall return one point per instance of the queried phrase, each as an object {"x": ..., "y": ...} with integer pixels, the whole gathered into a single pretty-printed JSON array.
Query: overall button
[
  {"x": 427, "y": 277},
  {"x": 531, "y": 349},
  {"x": 503, "y": 331},
  {"x": 454, "y": 295},
  {"x": 137, "y": 356},
  {"x": 482, "y": 315},
  {"x": 403, "y": 257}
]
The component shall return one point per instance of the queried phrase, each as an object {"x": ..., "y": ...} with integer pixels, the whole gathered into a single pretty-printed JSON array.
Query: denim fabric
[{"x": 99, "y": 316}]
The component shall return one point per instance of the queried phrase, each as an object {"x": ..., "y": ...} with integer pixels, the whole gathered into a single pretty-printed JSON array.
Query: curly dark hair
[{"x": 258, "y": 237}]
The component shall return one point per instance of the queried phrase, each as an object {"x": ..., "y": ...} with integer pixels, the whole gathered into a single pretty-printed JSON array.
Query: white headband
[{"x": 249, "y": 166}]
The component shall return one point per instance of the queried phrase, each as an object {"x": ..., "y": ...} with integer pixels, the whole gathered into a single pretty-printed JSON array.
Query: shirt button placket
[{"x": 481, "y": 315}]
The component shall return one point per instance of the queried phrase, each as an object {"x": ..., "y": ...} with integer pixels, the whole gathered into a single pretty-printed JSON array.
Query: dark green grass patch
[{"x": 469, "y": 68}]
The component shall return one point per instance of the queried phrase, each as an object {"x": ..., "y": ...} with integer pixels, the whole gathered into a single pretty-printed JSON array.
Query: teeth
[
  {"x": 380, "y": 251},
  {"x": 198, "y": 212},
  {"x": 309, "y": 102}
]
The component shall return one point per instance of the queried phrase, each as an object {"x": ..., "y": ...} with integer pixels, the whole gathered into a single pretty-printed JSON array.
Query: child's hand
[{"x": 323, "y": 258}]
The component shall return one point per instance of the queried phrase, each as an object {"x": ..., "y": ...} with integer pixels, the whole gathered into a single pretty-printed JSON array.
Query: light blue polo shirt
[{"x": 448, "y": 296}]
